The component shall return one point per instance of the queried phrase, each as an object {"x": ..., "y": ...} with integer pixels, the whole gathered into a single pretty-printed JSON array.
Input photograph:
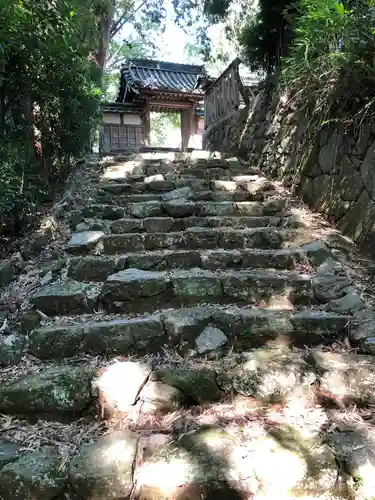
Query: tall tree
[{"x": 48, "y": 94}]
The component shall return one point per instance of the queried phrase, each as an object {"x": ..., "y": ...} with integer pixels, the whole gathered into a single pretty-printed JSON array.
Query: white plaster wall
[
  {"x": 111, "y": 118},
  {"x": 114, "y": 118},
  {"x": 132, "y": 120}
]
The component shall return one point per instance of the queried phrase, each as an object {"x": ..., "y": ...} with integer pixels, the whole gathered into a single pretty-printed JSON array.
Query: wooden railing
[{"x": 225, "y": 94}]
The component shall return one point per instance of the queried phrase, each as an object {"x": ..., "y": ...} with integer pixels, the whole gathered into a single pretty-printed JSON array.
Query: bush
[
  {"x": 49, "y": 97},
  {"x": 267, "y": 33},
  {"x": 331, "y": 61}
]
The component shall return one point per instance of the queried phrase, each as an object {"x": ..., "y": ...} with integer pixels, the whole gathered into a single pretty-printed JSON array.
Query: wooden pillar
[
  {"x": 146, "y": 127},
  {"x": 187, "y": 126},
  {"x": 105, "y": 139}
]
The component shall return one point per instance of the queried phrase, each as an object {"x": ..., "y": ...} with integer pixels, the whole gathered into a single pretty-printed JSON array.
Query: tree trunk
[
  {"x": 104, "y": 26},
  {"x": 2, "y": 109}
]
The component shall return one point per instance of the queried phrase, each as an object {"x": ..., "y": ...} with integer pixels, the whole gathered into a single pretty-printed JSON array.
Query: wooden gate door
[{"x": 121, "y": 137}]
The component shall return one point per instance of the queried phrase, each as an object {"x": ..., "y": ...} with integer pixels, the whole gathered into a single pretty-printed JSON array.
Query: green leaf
[{"x": 340, "y": 9}]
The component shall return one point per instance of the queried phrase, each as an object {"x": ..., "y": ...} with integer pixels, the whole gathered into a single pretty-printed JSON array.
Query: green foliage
[
  {"x": 331, "y": 62},
  {"x": 162, "y": 126},
  {"x": 49, "y": 95},
  {"x": 119, "y": 52},
  {"x": 267, "y": 33}
]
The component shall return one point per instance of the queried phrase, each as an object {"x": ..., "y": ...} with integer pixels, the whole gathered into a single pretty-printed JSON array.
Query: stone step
[
  {"x": 98, "y": 268},
  {"x": 136, "y": 172},
  {"x": 138, "y": 291},
  {"x": 50, "y": 391},
  {"x": 186, "y": 208},
  {"x": 208, "y": 195},
  {"x": 162, "y": 166},
  {"x": 134, "y": 290},
  {"x": 243, "y": 328},
  {"x": 168, "y": 224},
  {"x": 196, "y": 238},
  {"x": 159, "y": 184}
]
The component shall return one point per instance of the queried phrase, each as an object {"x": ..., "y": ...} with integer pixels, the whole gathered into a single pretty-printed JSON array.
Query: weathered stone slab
[
  {"x": 154, "y": 178},
  {"x": 121, "y": 243},
  {"x": 350, "y": 303},
  {"x": 212, "y": 208},
  {"x": 162, "y": 240},
  {"x": 160, "y": 186},
  {"x": 231, "y": 238},
  {"x": 316, "y": 326},
  {"x": 221, "y": 259},
  {"x": 183, "y": 193},
  {"x": 29, "y": 320},
  {"x": 148, "y": 332},
  {"x": 56, "y": 341},
  {"x": 36, "y": 474},
  {"x": 117, "y": 187},
  {"x": 12, "y": 348},
  {"x": 93, "y": 225},
  {"x": 126, "y": 226},
  {"x": 156, "y": 396},
  {"x": 145, "y": 209},
  {"x": 199, "y": 384},
  {"x": 62, "y": 298},
  {"x": 180, "y": 208},
  {"x": 263, "y": 238},
  {"x": 110, "y": 212},
  {"x": 184, "y": 259},
  {"x": 83, "y": 242},
  {"x": 368, "y": 346},
  {"x": 274, "y": 207},
  {"x": 232, "y": 221},
  {"x": 350, "y": 377},
  {"x": 126, "y": 199},
  {"x": 331, "y": 267},
  {"x": 210, "y": 339},
  {"x": 94, "y": 478},
  {"x": 253, "y": 327},
  {"x": 355, "y": 450},
  {"x": 196, "y": 284},
  {"x": 148, "y": 260},
  {"x": 120, "y": 397},
  {"x": 133, "y": 284},
  {"x": 316, "y": 251},
  {"x": 357, "y": 221},
  {"x": 270, "y": 258},
  {"x": 197, "y": 237},
  {"x": 363, "y": 325},
  {"x": 60, "y": 389},
  {"x": 9, "y": 452},
  {"x": 273, "y": 375},
  {"x": 123, "y": 336},
  {"x": 329, "y": 287},
  {"x": 254, "y": 286},
  {"x": 158, "y": 224},
  {"x": 95, "y": 268},
  {"x": 186, "y": 324}
]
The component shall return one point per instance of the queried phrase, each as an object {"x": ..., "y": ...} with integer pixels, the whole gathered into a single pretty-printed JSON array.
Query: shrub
[{"x": 331, "y": 61}]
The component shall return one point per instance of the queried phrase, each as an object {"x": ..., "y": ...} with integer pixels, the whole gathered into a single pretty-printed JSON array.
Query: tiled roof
[{"x": 141, "y": 74}]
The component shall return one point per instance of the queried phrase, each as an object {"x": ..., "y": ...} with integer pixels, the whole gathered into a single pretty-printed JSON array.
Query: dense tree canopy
[{"x": 49, "y": 94}]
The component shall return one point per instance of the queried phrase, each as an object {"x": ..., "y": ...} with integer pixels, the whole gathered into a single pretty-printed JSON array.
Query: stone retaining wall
[{"x": 333, "y": 170}]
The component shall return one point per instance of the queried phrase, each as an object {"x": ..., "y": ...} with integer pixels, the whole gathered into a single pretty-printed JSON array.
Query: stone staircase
[{"x": 184, "y": 334}]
